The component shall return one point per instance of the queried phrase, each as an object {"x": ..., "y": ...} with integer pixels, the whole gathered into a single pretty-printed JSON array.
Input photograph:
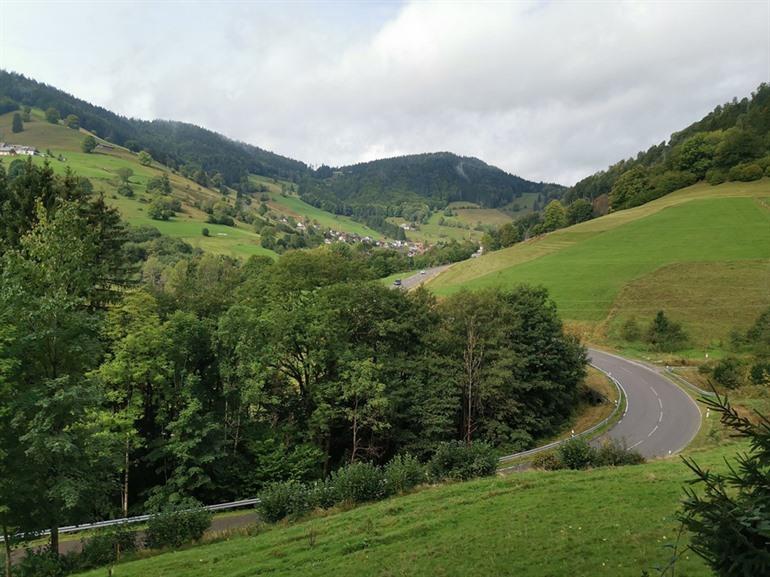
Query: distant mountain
[
  {"x": 174, "y": 144},
  {"x": 433, "y": 179},
  {"x": 731, "y": 143}
]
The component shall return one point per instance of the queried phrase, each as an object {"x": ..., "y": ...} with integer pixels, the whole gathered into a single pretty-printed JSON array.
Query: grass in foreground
[{"x": 602, "y": 522}]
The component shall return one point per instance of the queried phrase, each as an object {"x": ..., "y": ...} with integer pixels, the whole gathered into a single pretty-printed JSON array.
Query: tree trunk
[
  {"x": 7, "y": 541},
  {"x": 126, "y": 464},
  {"x": 355, "y": 432},
  {"x": 472, "y": 359},
  {"x": 55, "y": 539}
]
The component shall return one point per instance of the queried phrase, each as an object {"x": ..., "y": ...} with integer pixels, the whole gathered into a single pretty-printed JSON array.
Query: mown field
[
  {"x": 702, "y": 254},
  {"x": 611, "y": 521}
]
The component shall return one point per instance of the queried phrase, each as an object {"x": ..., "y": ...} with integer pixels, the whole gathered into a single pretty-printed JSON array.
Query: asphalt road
[
  {"x": 417, "y": 279},
  {"x": 660, "y": 418}
]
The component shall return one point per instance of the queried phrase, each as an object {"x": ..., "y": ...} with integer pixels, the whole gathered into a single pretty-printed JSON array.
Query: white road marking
[
  {"x": 660, "y": 403},
  {"x": 653, "y": 431}
]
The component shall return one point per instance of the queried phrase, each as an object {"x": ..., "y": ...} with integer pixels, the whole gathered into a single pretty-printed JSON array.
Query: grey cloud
[{"x": 550, "y": 91}]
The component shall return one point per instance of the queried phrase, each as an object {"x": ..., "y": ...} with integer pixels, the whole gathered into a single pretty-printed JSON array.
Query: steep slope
[{"x": 702, "y": 254}]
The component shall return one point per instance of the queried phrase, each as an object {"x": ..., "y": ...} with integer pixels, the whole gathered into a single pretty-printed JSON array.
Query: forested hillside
[
  {"x": 732, "y": 143},
  {"x": 137, "y": 373},
  {"x": 412, "y": 186},
  {"x": 195, "y": 151}
]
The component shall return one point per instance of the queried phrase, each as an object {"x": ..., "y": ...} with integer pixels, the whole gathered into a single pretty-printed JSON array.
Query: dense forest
[
  {"x": 732, "y": 143},
  {"x": 175, "y": 144},
  {"x": 412, "y": 185},
  {"x": 136, "y": 372}
]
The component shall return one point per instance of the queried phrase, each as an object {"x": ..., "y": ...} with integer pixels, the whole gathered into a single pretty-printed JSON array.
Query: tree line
[
  {"x": 136, "y": 372},
  {"x": 731, "y": 143}
]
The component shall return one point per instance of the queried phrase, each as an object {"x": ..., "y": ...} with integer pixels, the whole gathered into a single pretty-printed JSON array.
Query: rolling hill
[
  {"x": 702, "y": 254},
  {"x": 103, "y": 165},
  {"x": 172, "y": 143}
]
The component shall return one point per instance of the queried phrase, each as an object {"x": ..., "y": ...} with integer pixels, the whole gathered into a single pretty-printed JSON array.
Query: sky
[{"x": 549, "y": 91}]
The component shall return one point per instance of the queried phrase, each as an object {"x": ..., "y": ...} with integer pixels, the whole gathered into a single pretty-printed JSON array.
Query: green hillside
[
  {"x": 702, "y": 253},
  {"x": 101, "y": 168},
  {"x": 611, "y": 521}
]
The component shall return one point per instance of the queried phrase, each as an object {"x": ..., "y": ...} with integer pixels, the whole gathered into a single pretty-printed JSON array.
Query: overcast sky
[{"x": 546, "y": 90}]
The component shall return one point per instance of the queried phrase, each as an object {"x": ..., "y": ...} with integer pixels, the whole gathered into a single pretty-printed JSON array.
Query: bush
[
  {"x": 729, "y": 372},
  {"x": 547, "y": 462},
  {"x": 284, "y": 499},
  {"x": 177, "y": 526},
  {"x": 359, "y": 482},
  {"x": 44, "y": 563},
  {"x": 102, "y": 548},
  {"x": 402, "y": 473},
  {"x": 715, "y": 176},
  {"x": 577, "y": 454},
  {"x": 125, "y": 190},
  {"x": 665, "y": 335},
  {"x": 323, "y": 494},
  {"x": 205, "y": 231},
  {"x": 760, "y": 373},
  {"x": 630, "y": 331},
  {"x": 457, "y": 461},
  {"x": 746, "y": 172},
  {"x": 613, "y": 453}
]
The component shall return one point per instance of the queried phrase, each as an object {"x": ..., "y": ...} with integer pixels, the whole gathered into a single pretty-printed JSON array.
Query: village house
[{"x": 16, "y": 150}]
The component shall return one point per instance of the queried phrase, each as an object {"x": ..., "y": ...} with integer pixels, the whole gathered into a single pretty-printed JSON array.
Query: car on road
[
  {"x": 423, "y": 272},
  {"x": 397, "y": 282}
]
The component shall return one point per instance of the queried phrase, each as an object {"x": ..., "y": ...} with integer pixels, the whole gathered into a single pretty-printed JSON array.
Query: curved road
[{"x": 660, "y": 418}]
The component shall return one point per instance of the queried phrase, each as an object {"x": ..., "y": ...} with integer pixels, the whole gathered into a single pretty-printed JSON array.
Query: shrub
[
  {"x": 457, "y": 461},
  {"x": 630, "y": 331},
  {"x": 402, "y": 473},
  {"x": 613, "y": 453},
  {"x": 548, "y": 462},
  {"x": 359, "y": 482},
  {"x": 729, "y": 372},
  {"x": 746, "y": 172},
  {"x": 760, "y": 373},
  {"x": 715, "y": 176},
  {"x": 284, "y": 499},
  {"x": 323, "y": 494},
  {"x": 125, "y": 190},
  {"x": 577, "y": 454},
  {"x": 44, "y": 563},
  {"x": 102, "y": 549},
  {"x": 177, "y": 526},
  {"x": 665, "y": 335},
  {"x": 205, "y": 231}
]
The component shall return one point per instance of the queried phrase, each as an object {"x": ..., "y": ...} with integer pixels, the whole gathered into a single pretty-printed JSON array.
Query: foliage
[
  {"x": 664, "y": 334},
  {"x": 728, "y": 518},
  {"x": 359, "y": 482},
  {"x": 17, "y": 125},
  {"x": 402, "y": 473},
  {"x": 458, "y": 461},
  {"x": 106, "y": 547},
  {"x": 285, "y": 499},
  {"x": 613, "y": 453},
  {"x": 145, "y": 158},
  {"x": 176, "y": 526},
  {"x": 576, "y": 454},
  {"x": 548, "y": 461},
  {"x": 44, "y": 563},
  {"x": 52, "y": 115},
  {"x": 89, "y": 144},
  {"x": 729, "y": 372},
  {"x": 630, "y": 331}
]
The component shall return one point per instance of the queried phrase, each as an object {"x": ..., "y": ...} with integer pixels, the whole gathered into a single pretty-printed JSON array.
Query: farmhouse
[{"x": 16, "y": 149}]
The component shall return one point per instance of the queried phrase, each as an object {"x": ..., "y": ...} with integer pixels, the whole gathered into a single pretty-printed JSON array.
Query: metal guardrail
[
  {"x": 141, "y": 518},
  {"x": 676, "y": 376},
  {"x": 597, "y": 426}
]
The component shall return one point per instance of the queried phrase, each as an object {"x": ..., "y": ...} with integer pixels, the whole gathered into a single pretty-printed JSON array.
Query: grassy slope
[
  {"x": 292, "y": 205},
  {"x": 703, "y": 251},
  {"x": 101, "y": 166},
  {"x": 612, "y": 522}
]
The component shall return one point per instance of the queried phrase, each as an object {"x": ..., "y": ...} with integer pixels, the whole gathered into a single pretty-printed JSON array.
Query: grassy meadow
[{"x": 702, "y": 254}]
